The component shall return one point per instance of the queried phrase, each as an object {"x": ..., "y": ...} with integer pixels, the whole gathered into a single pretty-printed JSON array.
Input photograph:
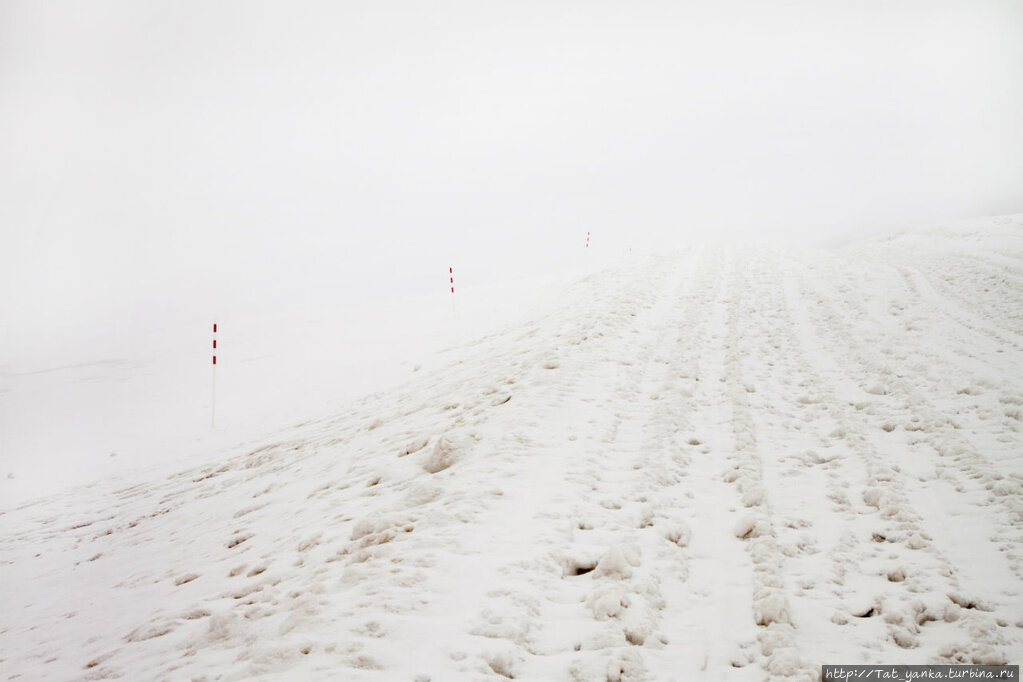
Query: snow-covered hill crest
[{"x": 713, "y": 464}]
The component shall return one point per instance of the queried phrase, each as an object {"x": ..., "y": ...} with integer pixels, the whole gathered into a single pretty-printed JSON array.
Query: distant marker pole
[
  {"x": 586, "y": 253},
  {"x": 451, "y": 278},
  {"x": 213, "y": 398}
]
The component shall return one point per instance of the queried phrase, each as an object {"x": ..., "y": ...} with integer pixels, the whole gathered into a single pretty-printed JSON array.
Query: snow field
[{"x": 720, "y": 464}]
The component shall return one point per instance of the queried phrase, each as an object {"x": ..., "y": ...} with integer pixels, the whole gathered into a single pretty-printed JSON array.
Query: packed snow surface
[{"x": 716, "y": 464}]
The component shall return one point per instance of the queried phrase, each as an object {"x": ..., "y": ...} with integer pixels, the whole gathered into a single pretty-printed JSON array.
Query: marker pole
[{"x": 213, "y": 398}]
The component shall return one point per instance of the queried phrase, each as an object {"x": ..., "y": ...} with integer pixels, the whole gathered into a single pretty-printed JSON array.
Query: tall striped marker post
[
  {"x": 587, "y": 240},
  {"x": 213, "y": 398}
]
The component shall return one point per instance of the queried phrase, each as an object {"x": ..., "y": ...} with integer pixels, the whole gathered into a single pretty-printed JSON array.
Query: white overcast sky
[{"x": 202, "y": 155}]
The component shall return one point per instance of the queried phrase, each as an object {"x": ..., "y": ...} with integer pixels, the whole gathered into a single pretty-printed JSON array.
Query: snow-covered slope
[{"x": 719, "y": 464}]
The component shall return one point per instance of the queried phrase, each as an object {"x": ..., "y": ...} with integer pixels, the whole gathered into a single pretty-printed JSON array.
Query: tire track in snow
[
  {"x": 708, "y": 615},
  {"x": 918, "y": 314},
  {"x": 864, "y": 562},
  {"x": 961, "y": 311},
  {"x": 713, "y": 615},
  {"x": 772, "y": 611},
  {"x": 602, "y": 575},
  {"x": 967, "y": 406},
  {"x": 974, "y": 284},
  {"x": 637, "y": 529},
  {"x": 903, "y": 392},
  {"x": 889, "y": 491}
]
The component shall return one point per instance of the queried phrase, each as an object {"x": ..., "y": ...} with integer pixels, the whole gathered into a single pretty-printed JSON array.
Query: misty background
[{"x": 165, "y": 161}]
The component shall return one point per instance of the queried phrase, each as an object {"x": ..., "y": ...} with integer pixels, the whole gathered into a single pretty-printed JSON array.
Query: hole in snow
[
  {"x": 502, "y": 665},
  {"x": 967, "y": 603},
  {"x": 237, "y": 540},
  {"x": 635, "y": 638},
  {"x": 582, "y": 569}
]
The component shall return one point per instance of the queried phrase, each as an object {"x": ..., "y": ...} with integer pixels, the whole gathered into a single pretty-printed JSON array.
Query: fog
[{"x": 169, "y": 159}]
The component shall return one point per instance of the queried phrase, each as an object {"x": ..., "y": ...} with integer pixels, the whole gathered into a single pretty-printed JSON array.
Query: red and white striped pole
[
  {"x": 587, "y": 240},
  {"x": 213, "y": 398},
  {"x": 451, "y": 277}
]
